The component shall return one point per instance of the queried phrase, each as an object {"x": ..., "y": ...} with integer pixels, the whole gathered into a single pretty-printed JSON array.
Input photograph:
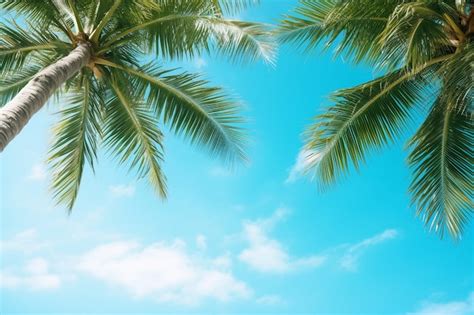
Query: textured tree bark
[{"x": 16, "y": 113}]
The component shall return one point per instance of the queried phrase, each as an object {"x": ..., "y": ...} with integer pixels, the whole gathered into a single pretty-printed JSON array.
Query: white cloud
[
  {"x": 25, "y": 241},
  {"x": 463, "y": 307},
  {"x": 303, "y": 160},
  {"x": 351, "y": 256},
  {"x": 271, "y": 300},
  {"x": 201, "y": 242},
  {"x": 122, "y": 190},
  {"x": 165, "y": 272},
  {"x": 265, "y": 254},
  {"x": 38, "y": 172},
  {"x": 34, "y": 276}
]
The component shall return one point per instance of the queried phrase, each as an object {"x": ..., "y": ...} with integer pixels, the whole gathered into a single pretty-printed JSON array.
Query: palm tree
[
  {"x": 97, "y": 53},
  {"x": 425, "y": 49}
]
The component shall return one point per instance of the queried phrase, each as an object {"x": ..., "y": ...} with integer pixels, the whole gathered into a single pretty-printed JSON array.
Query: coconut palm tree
[
  {"x": 106, "y": 59},
  {"x": 425, "y": 50}
]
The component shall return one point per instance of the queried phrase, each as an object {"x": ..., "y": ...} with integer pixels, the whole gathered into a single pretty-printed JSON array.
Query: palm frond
[
  {"x": 17, "y": 43},
  {"x": 132, "y": 133},
  {"x": 442, "y": 160},
  {"x": 364, "y": 117},
  {"x": 45, "y": 14},
  {"x": 191, "y": 27},
  {"x": 76, "y": 140},
  {"x": 205, "y": 115},
  {"x": 356, "y": 24},
  {"x": 232, "y": 7},
  {"x": 415, "y": 34},
  {"x": 458, "y": 79}
]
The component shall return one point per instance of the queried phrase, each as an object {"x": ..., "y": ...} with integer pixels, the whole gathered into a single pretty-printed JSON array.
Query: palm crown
[
  {"x": 425, "y": 48},
  {"x": 118, "y": 99}
]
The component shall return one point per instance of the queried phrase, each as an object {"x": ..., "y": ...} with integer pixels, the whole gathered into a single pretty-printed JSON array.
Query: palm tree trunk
[{"x": 16, "y": 113}]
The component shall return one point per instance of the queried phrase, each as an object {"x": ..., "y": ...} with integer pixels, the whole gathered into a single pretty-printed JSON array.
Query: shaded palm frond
[
  {"x": 76, "y": 139},
  {"x": 442, "y": 160},
  {"x": 415, "y": 34},
  {"x": 457, "y": 74}
]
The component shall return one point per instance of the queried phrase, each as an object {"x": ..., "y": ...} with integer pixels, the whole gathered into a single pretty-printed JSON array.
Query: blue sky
[{"x": 257, "y": 239}]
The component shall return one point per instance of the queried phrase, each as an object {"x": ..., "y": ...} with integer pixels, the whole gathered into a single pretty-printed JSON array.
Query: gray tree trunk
[{"x": 16, "y": 113}]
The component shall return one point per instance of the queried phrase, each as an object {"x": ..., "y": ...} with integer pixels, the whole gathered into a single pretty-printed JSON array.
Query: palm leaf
[
  {"x": 364, "y": 117},
  {"x": 76, "y": 140},
  {"x": 356, "y": 23},
  {"x": 205, "y": 115},
  {"x": 132, "y": 133},
  {"x": 17, "y": 44},
  {"x": 442, "y": 159}
]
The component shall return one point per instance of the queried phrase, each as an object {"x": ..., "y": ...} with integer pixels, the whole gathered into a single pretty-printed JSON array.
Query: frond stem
[
  {"x": 96, "y": 33},
  {"x": 77, "y": 19}
]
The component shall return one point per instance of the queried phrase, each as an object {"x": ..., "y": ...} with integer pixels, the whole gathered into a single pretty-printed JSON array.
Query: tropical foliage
[
  {"x": 425, "y": 49},
  {"x": 124, "y": 94}
]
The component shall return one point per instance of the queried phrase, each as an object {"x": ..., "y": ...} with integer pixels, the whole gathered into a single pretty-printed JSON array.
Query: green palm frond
[
  {"x": 364, "y": 117},
  {"x": 76, "y": 140},
  {"x": 458, "y": 79},
  {"x": 189, "y": 28},
  {"x": 415, "y": 33},
  {"x": 204, "y": 115},
  {"x": 232, "y": 7},
  {"x": 131, "y": 132},
  {"x": 45, "y": 14},
  {"x": 17, "y": 43},
  {"x": 357, "y": 24},
  {"x": 442, "y": 159}
]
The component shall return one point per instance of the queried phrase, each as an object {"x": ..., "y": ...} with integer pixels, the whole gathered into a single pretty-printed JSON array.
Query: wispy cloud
[
  {"x": 265, "y": 254},
  {"x": 35, "y": 275},
  {"x": 350, "y": 259},
  {"x": 122, "y": 190},
  {"x": 303, "y": 160},
  {"x": 161, "y": 271},
  {"x": 463, "y": 307},
  {"x": 25, "y": 241},
  {"x": 37, "y": 173}
]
